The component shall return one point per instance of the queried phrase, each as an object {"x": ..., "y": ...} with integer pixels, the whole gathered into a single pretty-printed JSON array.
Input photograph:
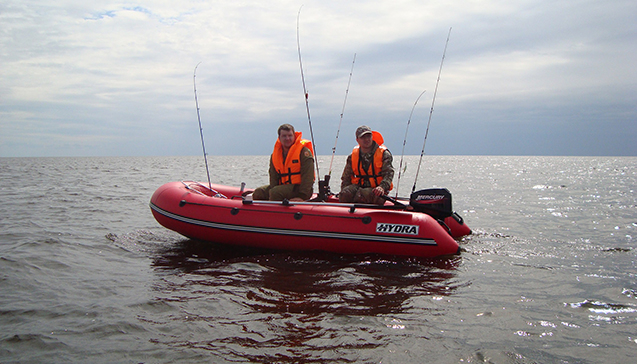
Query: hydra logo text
[{"x": 382, "y": 227}]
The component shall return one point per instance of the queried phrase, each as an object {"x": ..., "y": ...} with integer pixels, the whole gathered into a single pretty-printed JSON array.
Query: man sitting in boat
[
  {"x": 368, "y": 173},
  {"x": 291, "y": 168}
]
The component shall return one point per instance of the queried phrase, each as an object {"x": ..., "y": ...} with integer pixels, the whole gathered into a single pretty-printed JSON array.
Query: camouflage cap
[{"x": 362, "y": 130}]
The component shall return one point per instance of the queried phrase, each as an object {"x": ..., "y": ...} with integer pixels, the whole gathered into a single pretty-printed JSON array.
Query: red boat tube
[{"x": 222, "y": 216}]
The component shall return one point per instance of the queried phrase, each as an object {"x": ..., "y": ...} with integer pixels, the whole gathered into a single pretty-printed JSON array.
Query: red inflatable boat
[{"x": 221, "y": 214}]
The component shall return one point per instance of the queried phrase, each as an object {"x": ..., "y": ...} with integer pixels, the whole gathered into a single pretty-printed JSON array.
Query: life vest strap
[{"x": 282, "y": 177}]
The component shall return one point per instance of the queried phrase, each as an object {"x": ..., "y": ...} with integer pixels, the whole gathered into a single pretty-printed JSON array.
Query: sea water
[{"x": 548, "y": 275}]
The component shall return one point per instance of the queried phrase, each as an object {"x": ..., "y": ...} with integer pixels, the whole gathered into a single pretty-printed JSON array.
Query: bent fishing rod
[
  {"x": 338, "y": 131},
  {"x": 203, "y": 146},
  {"x": 400, "y": 168},
  {"x": 305, "y": 93},
  {"x": 422, "y": 152}
]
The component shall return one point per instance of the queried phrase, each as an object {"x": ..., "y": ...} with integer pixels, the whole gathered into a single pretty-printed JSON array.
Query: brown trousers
[
  {"x": 355, "y": 193},
  {"x": 276, "y": 193}
]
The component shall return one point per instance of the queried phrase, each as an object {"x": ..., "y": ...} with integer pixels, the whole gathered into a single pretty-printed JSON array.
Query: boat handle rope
[
  {"x": 216, "y": 193},
  {"x": 365, "y": 219}
]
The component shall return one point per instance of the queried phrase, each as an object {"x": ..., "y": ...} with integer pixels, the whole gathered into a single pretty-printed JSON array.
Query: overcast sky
[{"x": 115, "y": 78}]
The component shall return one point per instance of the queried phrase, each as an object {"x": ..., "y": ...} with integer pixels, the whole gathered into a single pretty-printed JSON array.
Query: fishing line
[
  {"x": 203, "y": 146},
  {"x": 307, "y": 104},
  {"x": 431, "y": 111},
  {"x": 342, "y": 112},
  {"x": 400, "y": 168}
]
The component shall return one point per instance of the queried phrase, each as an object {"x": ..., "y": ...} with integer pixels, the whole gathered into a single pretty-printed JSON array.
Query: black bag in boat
[{"x": 435, "y": 202}]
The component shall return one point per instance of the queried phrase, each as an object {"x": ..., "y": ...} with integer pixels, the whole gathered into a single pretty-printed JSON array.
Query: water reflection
[
  {"x": 312, "y": 282},
  {"x": 289, "y": 306}
]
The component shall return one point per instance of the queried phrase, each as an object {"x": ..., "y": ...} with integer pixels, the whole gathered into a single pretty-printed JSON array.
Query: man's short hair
[{"x": 286, "y": 127}]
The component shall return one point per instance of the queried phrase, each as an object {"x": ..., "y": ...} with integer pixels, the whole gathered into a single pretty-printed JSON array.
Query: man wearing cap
[
  {"x": 291, "y": 168},
  {"x": 368, "y": 173}
]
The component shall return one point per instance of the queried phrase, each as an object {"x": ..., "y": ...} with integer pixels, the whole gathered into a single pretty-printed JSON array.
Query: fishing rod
[
  {"x": 342, "y": 112},
  {"x": 307, "y": 104},
  {"x": 431, "y": 111},
  {"x": 194, "y": 75},
  {"x": 400, "y": 168}
]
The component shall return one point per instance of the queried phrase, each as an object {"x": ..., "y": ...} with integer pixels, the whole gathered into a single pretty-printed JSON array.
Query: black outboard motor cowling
[{"x": 435, "y": 202}]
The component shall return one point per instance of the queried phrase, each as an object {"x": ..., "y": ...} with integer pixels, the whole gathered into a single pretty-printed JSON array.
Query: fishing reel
[{"x": 324, "y": 188}]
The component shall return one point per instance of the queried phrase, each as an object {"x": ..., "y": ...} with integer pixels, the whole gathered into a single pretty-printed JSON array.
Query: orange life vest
[
  {"x": 373, "y": 171},
  {"x": 289, "y": 170}
]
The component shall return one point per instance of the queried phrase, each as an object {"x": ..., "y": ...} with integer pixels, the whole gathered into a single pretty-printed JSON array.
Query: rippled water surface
[{"x": 87, "y": 275}]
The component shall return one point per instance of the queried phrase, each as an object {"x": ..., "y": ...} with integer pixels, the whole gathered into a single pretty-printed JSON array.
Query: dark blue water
[{"x": 87, "y": 275}]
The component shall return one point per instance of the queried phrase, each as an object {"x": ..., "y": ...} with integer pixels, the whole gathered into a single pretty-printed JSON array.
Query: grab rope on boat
[{"x": 214, "y": 192}]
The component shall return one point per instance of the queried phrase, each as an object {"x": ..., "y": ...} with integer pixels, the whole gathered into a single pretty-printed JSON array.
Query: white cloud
[{"x": 103, "y": 71}]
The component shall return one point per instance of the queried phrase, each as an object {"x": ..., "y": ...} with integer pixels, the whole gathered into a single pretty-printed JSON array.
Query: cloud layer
[{"x": 116, "y": 78}]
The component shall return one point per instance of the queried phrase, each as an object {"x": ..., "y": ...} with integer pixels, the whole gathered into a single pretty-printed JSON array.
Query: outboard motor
[{"x": 435, "y": 202}]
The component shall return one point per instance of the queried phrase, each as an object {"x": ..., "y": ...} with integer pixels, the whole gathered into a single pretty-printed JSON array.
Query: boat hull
[{"x": 188, "y": 208}]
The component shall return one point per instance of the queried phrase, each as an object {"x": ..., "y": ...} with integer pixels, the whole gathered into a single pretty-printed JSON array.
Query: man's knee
[
  {"x": 261, "y": 193},
  {"x": 282, "y": 192},
  {"x": 367, "y": 195},
  {"x": 348, "y": 193}
]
